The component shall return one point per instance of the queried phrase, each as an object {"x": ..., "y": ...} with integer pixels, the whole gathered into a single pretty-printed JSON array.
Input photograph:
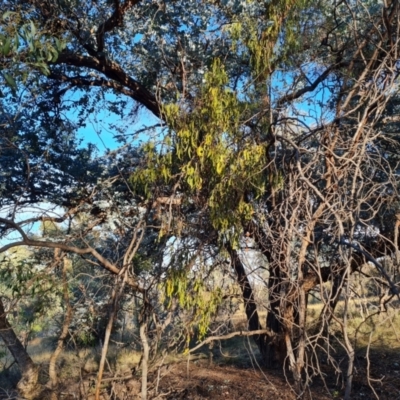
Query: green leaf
[
  {"x": 54, "y": 56},
  {"x": 10, "y": 81},
  {"x": 33, "y": 28},
  {"x": 60, "y": 45},
  {"x": 30, "y": 44},
  {"x": 8, "y": 14},
  {"x": 6, "y": 47}
]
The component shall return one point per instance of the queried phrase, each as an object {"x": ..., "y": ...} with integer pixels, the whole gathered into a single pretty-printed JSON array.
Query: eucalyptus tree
[
  {"x": 301, "y": 167},
  {"x": 272, "y": 122},
  {"x": 296, "y": 159}
]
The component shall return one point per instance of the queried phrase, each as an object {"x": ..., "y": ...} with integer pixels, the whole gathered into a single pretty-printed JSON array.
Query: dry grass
[
  {"x": 75, "y": 364},
  {"x": 365, "y": 324}
]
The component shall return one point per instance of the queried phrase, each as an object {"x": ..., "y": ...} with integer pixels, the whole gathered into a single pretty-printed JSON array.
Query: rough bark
[
  {"x": 28, "y": 386},
  {"x": 275, "y": 349},
  {"x": 248, "y": 298}
]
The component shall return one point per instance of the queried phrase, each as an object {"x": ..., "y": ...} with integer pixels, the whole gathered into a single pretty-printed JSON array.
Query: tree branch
[
  {"x": 114, "y": 21},
  {"x": 100, "y": 82},
  {"x": 309, "y": 88},
  {"x": 393, "y": 287},
  {"x": 114, "y": 72},
  {"x": 231, "y": 335},
  {"x": 65, "y": 247}
]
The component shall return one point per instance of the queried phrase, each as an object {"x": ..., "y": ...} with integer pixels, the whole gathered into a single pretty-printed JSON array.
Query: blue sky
[{"x": 103, "y": 125}]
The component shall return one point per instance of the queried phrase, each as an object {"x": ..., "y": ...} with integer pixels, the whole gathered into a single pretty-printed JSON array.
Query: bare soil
[{"x": 198, "y": 380}]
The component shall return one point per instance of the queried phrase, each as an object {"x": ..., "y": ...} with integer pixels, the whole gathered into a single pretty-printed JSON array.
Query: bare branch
[
  {"x": 231, "y": 335},
  {"x": 379, "y": 267},
  {"x": 295, "y": 95},
  {"x": 65, "y": 247}
]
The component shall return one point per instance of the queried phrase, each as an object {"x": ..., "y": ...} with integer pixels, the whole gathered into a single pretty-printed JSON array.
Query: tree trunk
[
  {"x": 28, "y": 386},
  {"x": 63, "y": 333},
  {"x": 275, "y": 351},
  {"x": 145, "y": 355},
  {"x": 248, "y": 298}
]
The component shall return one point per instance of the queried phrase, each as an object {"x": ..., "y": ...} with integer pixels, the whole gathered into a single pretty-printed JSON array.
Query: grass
[
  {"x": 72, "y": 364},
  {"x": 365, "y": 326}
]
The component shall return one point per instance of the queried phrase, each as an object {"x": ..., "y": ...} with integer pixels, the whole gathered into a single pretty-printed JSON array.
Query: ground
[
  {"x": 200, "y": 381},
  {"x": 226, "y": 378},
  {"x": 227, "y": 370},
  {"x": 197, "y": 380}
]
